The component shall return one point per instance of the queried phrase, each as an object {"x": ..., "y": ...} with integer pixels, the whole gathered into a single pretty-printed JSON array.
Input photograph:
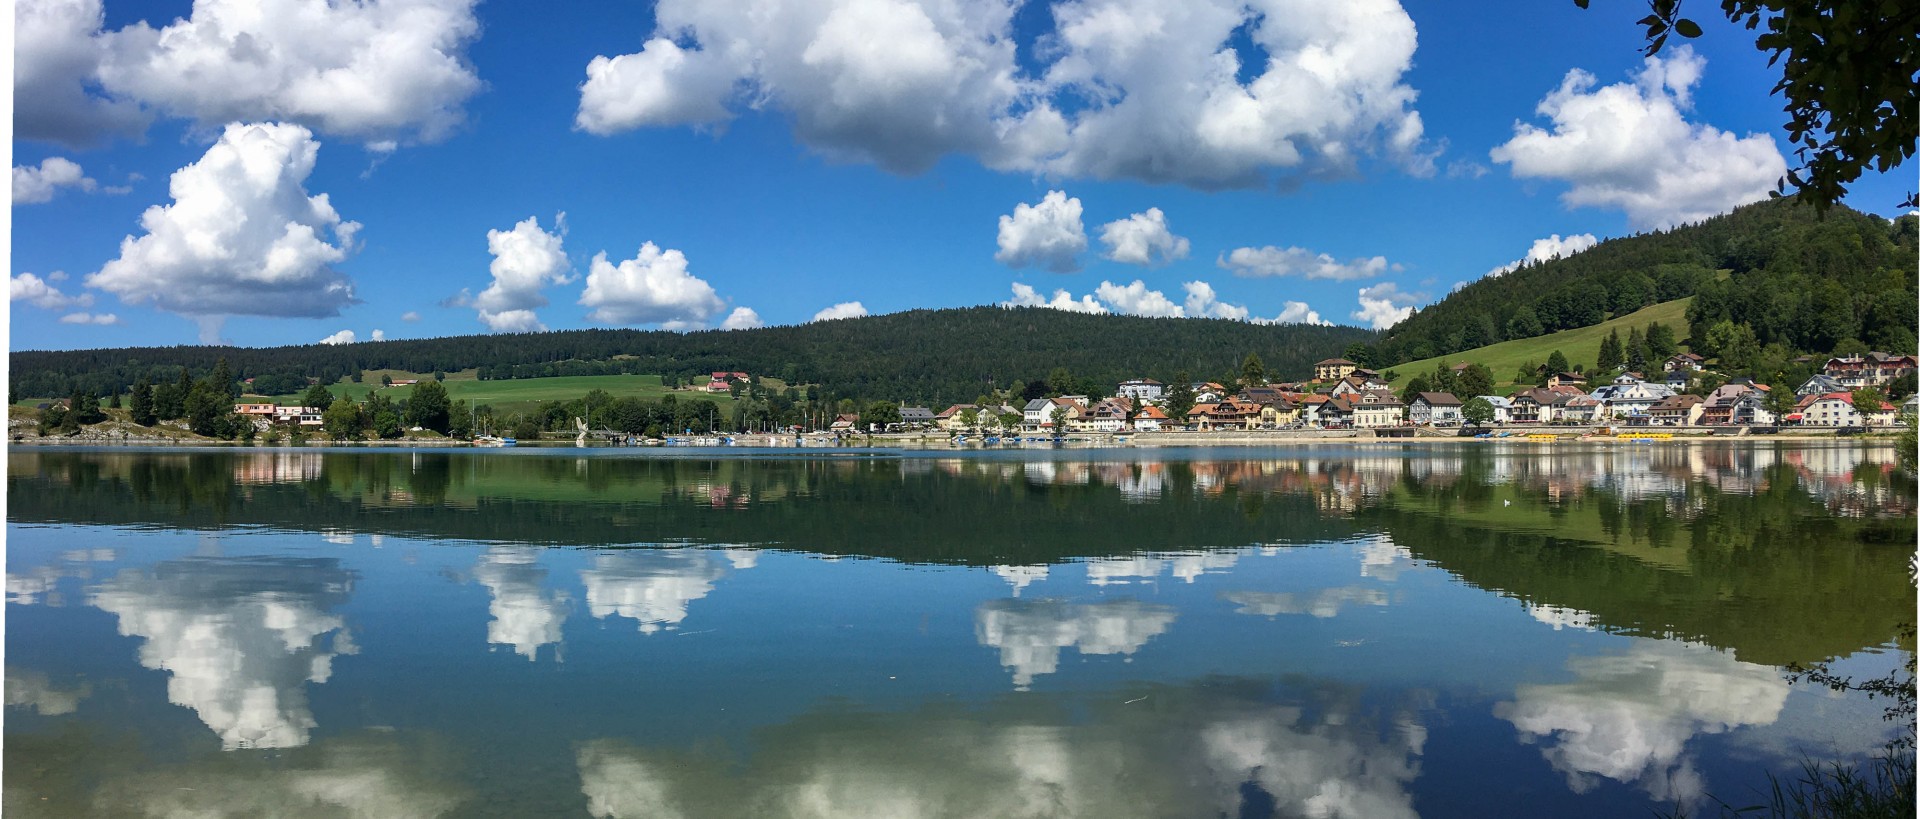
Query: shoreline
[{"x": 1149, "y": 440}]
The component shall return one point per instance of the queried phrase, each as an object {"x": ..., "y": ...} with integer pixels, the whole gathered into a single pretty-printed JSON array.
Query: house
[
  {"x": 1197, "y": 417},
  {"x": 1836, "y": 409},
  {"x": 1333, "y": 369},
  {"x": 265, "y": 410},
  {"x": 1438, "y": 409},
  {"x": 721, "y": 381},
  {"x": 1679, "y": 380},
  {"x": 1582, "y": 409},
  {"x": 845, "y": 422},
  {"x": 916, "y": 416},
  {"x": 1150, "y": 419},
  {"x": 1751, "y": 409},
  {"x": 1310, "y": 406},
  {"x": 1870, "y": 370},
  {"x": 1109, "y": 415},
  {"x": 1354, "y": 385},
  {"x": 1281, "y": 413},
  {"x": 1373, "y": 410},
  {"x": 1677, "y": 410},
  {"x": 1570, "y": 379},
  {"x": 1141, "y": 389},
  {"x": 1717, "y": 410},
  {"x": 1911, "y": 406},
  {"x": 300, "y": 416},
  {"x": 1537, "y": 406},
  {"x": 1502, "y": 407},
  {"x": 1038, "y": 415},
  {"x": 1684, "y": 362},
  {"x": 950, "y": 419},
  {"x": 1630, "y": 397},
  {"x": 1233, "y": 414},
  {"x": 1336, "y": 413},
  {"x": 1819, "y": 384}
]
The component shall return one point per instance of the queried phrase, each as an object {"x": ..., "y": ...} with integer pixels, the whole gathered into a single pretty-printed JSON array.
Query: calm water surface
[{"x": 1354, "y": 632}]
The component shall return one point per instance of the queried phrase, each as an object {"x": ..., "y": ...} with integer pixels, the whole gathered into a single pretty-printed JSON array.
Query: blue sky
[{"x": 853, "y": 153}]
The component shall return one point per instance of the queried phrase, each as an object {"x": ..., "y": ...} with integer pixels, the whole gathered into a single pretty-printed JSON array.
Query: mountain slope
[
  {"x": 1581, "y": 346},
  {"x": 920, "y": 355},
  {"x": 1797, "y": 279}
]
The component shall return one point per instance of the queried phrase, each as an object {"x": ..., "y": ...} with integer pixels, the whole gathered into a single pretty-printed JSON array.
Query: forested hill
[
  {"x": 920, "y": 355},
  {"x": 1796, "y": 279}
]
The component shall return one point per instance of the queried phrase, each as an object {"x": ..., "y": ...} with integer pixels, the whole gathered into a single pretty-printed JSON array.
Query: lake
[{"x": 1350, "y": 631}]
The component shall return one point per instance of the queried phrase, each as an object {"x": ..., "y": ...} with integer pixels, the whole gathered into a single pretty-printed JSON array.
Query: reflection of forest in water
[{"x": 1780, "y": 553}]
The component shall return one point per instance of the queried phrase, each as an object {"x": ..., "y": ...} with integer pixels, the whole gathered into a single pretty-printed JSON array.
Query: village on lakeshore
[{"x": 1847, "y": 394}]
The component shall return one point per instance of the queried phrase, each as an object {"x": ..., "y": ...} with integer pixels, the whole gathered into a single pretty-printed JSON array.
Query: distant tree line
[{"x": 921, "y": 356}]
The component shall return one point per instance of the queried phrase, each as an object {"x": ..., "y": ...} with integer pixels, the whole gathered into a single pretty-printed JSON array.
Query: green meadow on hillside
[{"x": 1581, "y": 346}]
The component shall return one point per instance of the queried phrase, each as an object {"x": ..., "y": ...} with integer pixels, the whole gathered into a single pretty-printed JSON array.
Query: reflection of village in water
[{"x": 245, "y": 643}]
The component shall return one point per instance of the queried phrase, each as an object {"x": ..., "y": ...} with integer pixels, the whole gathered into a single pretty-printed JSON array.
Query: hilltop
[
  {"x": 927, "y": 356},
  {"x": 1805, "y": 283}
]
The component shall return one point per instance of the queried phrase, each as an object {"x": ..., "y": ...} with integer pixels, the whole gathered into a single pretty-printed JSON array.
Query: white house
[
  {"x": 1629, "y": 397},
  {"x": 1836, "y": 409},
  {"x": 1141, "y": 389},
  {"x": 1502, "y": 407},
  {"x": 1372, "y": 410},
  {"x": 1440, "y": 409}
]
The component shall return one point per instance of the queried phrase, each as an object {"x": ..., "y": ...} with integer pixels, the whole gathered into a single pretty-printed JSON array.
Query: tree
[
  {"x": 1557, "y": 363},
  {"x": 1478, "y": 412},
  {"x": 1180, "y": 396},
  {"x": 429, "y": 407},
  {"x": 83, "y": 408},
  {"x": 1636, "y": 351},
  {"x": 1610, "y": 354},
  {"x": 386, "y": 379},
  {"x": 223, "y": 382},
  {"x": 1415, "y": 385},
  {"x": 1867, "y": 400},
  {"x": 1780, "y": 401},
  {"x": 1253, "y": 373},
  {"x": 460, "y": 420},
  {"x": 341, "y": 420},
  {"x": 1661, "y": 344},
  {"x": 1847, "y": 72},
  {"x": 317, "y": 397},
  {"x": 1524, "y": 323},
  {"x": 970, "y": 418},
  {"x": 1476, "y": 379},
  {"x": 208, "y": 410},
  {"x": 1059, "y": 418},
  {"x": 1360, "y": 353},
  {"x": 1734, "y": 344},
  {"x": 1059, "y": 382},
  {"x": 141, "y": 406},
  {"x": 880, "y": 414}
]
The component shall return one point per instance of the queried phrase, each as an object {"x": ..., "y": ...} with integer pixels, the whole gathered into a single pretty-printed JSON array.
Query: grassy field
[
  {"x": 524, "y": 394},
  {"x": 1581, "y": 346}
]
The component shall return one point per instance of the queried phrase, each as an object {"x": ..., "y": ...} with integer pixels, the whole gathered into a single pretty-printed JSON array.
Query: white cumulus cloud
[
  {"x": 410, "y": 315},
  {"x": 742, "y": 318},
  {"x": 242, "y": 236},
  {"x": 90, "y": 318},
  {"x": 1143, "y": 238},
  {"x": 1202, "y": 302},
  {"x": 377, "y": 335},
  {"x": 1295, "y": 312},
  {"x": 381, "y": 71},
  {"x": 1384, "y": 305},
  {"x": 1126, "y": 89},
  {"x": 1025, "y": 296},
  {"x": 1047, "y": 235},
  {"x": 1136, "y": 300},
  {"x": 1552, "y": 247},
  {"x": 342, "y": 337},
  {"x": 40, "y": 293},
  {"x": 1629, "y": 146},
  {"x": 843, "y": 310},
  {"x": 38, "y": 183},
  {"x": 1299, "y": 261},
  {"x": 653, "y": 287},
  {"x": 525, "y": 259}
]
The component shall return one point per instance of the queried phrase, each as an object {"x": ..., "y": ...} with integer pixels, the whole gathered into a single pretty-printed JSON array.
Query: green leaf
[{"x": 1687, "y": 28}]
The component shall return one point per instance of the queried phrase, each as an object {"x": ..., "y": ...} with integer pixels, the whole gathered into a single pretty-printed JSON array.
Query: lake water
[{"x": 1376, "y": 632}]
